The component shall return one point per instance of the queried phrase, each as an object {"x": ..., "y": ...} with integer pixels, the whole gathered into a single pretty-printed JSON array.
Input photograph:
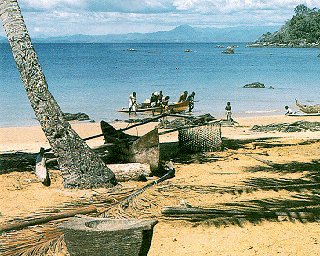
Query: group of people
[{"x": 157, "y": 99}]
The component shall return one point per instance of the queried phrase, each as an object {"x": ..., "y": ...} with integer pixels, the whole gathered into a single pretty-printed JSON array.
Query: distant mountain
[
  {"x": 302, "y": 30},
  {"x": 180, "y": 34}
]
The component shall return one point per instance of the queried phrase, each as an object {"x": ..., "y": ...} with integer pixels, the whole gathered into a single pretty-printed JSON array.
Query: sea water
[{"x": 98, "y": 78}]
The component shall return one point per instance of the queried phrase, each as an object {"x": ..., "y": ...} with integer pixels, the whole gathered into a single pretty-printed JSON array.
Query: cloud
[
  {"x": 164, "y": 6},
  {"x": 61, "y": 17},
  {"x": 133, "y": 6},
  {"x": 42, "y": 5},
  {"x": 228, "y": 6}
]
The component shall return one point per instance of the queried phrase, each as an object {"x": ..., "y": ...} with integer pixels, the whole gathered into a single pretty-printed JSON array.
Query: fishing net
[{"x": 205, "y": 138}]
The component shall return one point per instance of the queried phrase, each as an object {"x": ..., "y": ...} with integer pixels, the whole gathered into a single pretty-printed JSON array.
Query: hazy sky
[{"x": 61, "y": 17}]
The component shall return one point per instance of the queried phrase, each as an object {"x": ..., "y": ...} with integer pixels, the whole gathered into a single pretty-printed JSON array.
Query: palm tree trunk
[{"x": 80, "y": 166}]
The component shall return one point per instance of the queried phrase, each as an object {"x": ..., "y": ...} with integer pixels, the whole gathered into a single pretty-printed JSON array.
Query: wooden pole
[{"x": 26, "y": 223}]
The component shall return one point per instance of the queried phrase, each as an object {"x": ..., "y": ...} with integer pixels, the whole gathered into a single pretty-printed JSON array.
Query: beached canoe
[
  {"x": 308, "y": 109},
  {"x": 102, "y": 236},
  {"x": 304, "y": 114},
  {"x": 176, "y": 107}
]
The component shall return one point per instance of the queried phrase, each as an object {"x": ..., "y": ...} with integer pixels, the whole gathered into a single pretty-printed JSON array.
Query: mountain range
[{"x": 180, "y": 34}]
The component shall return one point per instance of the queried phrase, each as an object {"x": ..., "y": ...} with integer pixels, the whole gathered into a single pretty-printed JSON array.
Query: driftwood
[
  {"x": 130, "y": 171},
  {"x": 26, "y": 223}
]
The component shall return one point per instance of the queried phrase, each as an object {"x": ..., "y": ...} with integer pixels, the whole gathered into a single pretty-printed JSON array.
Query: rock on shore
[
  {"x": 254, "y": 85},
  {"x": 78, "y": 116}
]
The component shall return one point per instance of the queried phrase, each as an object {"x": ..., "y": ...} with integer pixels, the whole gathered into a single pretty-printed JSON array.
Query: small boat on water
[
  {"x": 308, "y": 109},
  {"x": 176, "y": 107}
]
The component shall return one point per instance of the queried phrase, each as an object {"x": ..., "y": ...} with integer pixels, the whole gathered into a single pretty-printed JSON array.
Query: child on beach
[
  {"x": 228, "y": 111},
  {"x": 132, "y": 103},
  {"x": 289, "y": 110}
]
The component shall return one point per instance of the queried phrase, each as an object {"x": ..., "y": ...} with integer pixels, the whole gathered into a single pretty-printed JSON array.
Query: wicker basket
[
  {"x": 205, "y": 138},
  {"x": 88, "y": 236}
]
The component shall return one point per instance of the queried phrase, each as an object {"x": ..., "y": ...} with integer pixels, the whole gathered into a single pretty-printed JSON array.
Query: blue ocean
[{"x": 98, "y": 78}]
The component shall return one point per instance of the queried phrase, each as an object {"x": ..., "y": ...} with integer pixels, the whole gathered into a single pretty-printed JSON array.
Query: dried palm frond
[
  {"x": 47, "y": 239},
  {"x": 37, "y": 241}
]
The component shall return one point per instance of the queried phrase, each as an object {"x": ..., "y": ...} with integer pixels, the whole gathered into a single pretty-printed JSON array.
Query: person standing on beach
[
  {"x": 160, "y": 98},
  {"x": 191, "y": 101},
  {"x": 228, "y": 111},
  {"x": 133, "y": 103},
  {"x": 165, "y": 104}
]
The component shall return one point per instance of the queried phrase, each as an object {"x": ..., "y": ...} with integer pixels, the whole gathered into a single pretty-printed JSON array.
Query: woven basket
[
  {"x": 205, "y": 138},
  {"x": 88, "y": 236}
]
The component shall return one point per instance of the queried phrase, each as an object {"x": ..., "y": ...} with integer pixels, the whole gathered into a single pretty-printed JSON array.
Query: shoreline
[
  {"x": 31, "y": 138},
  {"x": 236, "y": 115}
]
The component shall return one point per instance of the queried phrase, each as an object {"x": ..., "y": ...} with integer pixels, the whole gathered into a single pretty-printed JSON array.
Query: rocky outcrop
[
  {"x": 229, "y": 50},
  {"x": 78, "y": 116},
  {"x": 300, "y": 31},
  {"x": 254, "y": 85}
]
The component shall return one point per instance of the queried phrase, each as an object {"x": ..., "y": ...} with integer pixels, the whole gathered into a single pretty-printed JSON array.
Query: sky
[{"x": 98, "y": 17}]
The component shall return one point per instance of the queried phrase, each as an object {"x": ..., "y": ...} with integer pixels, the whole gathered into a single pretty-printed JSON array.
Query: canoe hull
[
  {"x": 173, "y": 108},
  {"x": 308, "y": 109},
  {"x": 304, "y": 114}
]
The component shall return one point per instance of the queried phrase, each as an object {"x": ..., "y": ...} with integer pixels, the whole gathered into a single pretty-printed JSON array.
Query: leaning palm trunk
[{"x": 80, "y": 166}]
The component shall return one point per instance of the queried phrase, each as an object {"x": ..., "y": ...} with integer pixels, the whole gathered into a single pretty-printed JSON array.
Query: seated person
[{"x": 289, "y": 110}]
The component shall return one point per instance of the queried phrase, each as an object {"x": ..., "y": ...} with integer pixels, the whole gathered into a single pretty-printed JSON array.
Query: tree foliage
[{"x": 302, "y": 28}]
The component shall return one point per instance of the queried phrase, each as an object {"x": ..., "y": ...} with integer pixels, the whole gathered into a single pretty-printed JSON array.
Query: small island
[
  {"x": 302, "y": 30},
  {"x": 255, "y": 85},
  {"x": 229, "y": 50}
]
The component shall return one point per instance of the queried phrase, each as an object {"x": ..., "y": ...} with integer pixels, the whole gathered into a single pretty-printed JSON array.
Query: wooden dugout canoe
[
  {"x": 308, "y": 109},
  {"x": 176, "y": 107}
]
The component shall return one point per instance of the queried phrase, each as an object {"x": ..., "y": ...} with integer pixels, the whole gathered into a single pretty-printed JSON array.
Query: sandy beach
[{"x": 290, "y": 184}]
